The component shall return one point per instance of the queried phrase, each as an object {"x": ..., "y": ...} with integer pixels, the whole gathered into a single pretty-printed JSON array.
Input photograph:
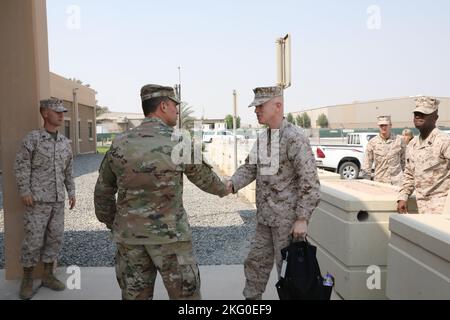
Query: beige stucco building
[
  {"x": 364, "y": 114},
  {"x": 80, "y": 102},
  {"x": 117, "y": 122}
]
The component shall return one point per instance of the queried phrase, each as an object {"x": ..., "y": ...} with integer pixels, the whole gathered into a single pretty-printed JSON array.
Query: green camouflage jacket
[{"x": 149, "y": 186}]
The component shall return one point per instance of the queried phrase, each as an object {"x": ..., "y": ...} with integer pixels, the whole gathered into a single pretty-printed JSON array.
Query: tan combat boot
[
  {"x": 26, "y": 287},
  {"x": 49, "y": 280}
]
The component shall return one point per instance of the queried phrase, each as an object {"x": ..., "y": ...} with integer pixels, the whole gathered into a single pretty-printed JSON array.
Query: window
[
  {"x": 90, "y": 130},
  {"x": 67, "y": 128}
]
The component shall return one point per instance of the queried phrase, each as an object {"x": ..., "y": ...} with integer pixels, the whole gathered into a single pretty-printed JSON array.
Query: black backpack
[{"x": 302, "y": 280}]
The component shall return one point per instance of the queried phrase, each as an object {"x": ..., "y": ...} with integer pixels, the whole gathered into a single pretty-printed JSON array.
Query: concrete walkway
[{"x": 218, "y": 283}]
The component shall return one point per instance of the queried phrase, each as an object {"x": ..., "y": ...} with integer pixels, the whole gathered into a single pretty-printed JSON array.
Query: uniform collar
[
  {"x": 390, "y": 138},
  {"x": 430, "y": 139},
  {"x": 156, "y": 121},
  {"x": 45, "y": 135},
  {"x": 281, "y": 129},
  {"x": 283, "y": 126}
]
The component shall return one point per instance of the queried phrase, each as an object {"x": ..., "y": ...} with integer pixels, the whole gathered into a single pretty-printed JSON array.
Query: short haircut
[
  {"x": 149, "y": 106},
  {"x": 407, "y": 132},
  {"x": 41, "y": 110}
]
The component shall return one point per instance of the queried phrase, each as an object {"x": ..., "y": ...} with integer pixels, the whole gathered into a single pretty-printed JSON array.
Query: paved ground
[{"x": 217, "y": 283}]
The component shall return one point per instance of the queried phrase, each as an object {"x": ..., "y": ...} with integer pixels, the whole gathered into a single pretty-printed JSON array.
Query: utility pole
[
  {"x": 284, "y": 61},
  {"x": 234, "y": 130},
  {"x": 178, "y": 91}
]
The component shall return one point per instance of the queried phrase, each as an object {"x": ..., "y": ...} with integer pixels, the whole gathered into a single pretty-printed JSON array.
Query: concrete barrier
[
  {"x": 447, "y": 206},
  {"x": 350, "y": 230},
  {"x": 220, "y": 154},
  {"x": 419, "y": 257}
]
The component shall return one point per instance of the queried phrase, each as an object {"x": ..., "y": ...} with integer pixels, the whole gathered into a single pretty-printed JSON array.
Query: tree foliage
[
  {"x": 187, "y": 121},
  {"x": 101, "y": 110},
  {"x": 229, "y": 122},
  {"x": 290, "y": 118},
  {"x": 303, "y": 120},
  {"x": 322, "y": 121}
]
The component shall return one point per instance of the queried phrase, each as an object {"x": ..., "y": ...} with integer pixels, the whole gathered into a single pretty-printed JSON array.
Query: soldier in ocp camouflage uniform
[
  {"x": 287, "y": 188},
  {"x": 43, "y": 170},
  {"x": 427, "y": 161},
  {"x": 388, "y": 153},
  {"x": 148, "y": 221}
]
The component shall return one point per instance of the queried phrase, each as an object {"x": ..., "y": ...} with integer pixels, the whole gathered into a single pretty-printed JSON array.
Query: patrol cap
[
  {"x": 426, "y": 105},
  {"x": 151, "y": 91},
  {"x": 382, "y": 120},
  {"x": 53, "y": 104},
  {"x": 264, "y": 94}
]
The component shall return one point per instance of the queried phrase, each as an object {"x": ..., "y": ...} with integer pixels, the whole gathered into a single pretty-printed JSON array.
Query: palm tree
[{"x": 187, "y": 122}]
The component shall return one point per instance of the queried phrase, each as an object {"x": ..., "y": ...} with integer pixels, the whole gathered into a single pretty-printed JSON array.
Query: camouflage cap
[
  {"x": 151, "y": 91},
  {"x": 53, "y": 104},
  {"x": 426, "y": 105},
  {"x": 384, "y": 120},
  {"x": 264, "y": 94}
]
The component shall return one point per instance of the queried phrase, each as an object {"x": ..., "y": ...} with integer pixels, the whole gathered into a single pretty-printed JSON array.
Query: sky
[{"x": 342, "y": 51}]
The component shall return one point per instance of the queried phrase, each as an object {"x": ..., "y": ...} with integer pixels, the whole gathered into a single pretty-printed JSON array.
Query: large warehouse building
[{"x": 364, "y": 114}]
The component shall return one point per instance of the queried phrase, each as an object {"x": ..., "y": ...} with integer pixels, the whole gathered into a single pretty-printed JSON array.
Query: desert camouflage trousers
[
  {"x": 432, "y": 206},
  {"x": 137, "y": 267},
  {"x": 264, "y": 249},
  {"x": 44, "y": 233}
]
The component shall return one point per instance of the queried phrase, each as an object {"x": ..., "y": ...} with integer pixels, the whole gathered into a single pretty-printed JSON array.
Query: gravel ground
[{"x": 222, "y": 228}]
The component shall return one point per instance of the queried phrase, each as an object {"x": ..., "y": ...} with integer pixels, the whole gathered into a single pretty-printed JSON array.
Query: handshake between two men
[
  {"x": 149, "y": 223},
  {"x": 299, "y": 229}
]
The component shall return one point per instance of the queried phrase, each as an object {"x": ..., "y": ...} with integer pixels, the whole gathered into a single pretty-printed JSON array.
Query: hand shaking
[{"x": 229, "y": 186}]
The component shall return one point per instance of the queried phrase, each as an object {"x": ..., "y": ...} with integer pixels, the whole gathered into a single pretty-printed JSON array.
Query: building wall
[
  {"x": 64, "y": 89},
  {"x": 68, "y": 117},
  {"x": 212, "y": 125},
  {"x": 24, "y": 80},
  {"x": 364, "y": 114},
  {"x": 118, "y": 122},
  {"x": 109, "y": 126},
  {"x": 313, "y": 114},
  {"x": 87, "y": 119},
  {"x": 112, "y": 126}
]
